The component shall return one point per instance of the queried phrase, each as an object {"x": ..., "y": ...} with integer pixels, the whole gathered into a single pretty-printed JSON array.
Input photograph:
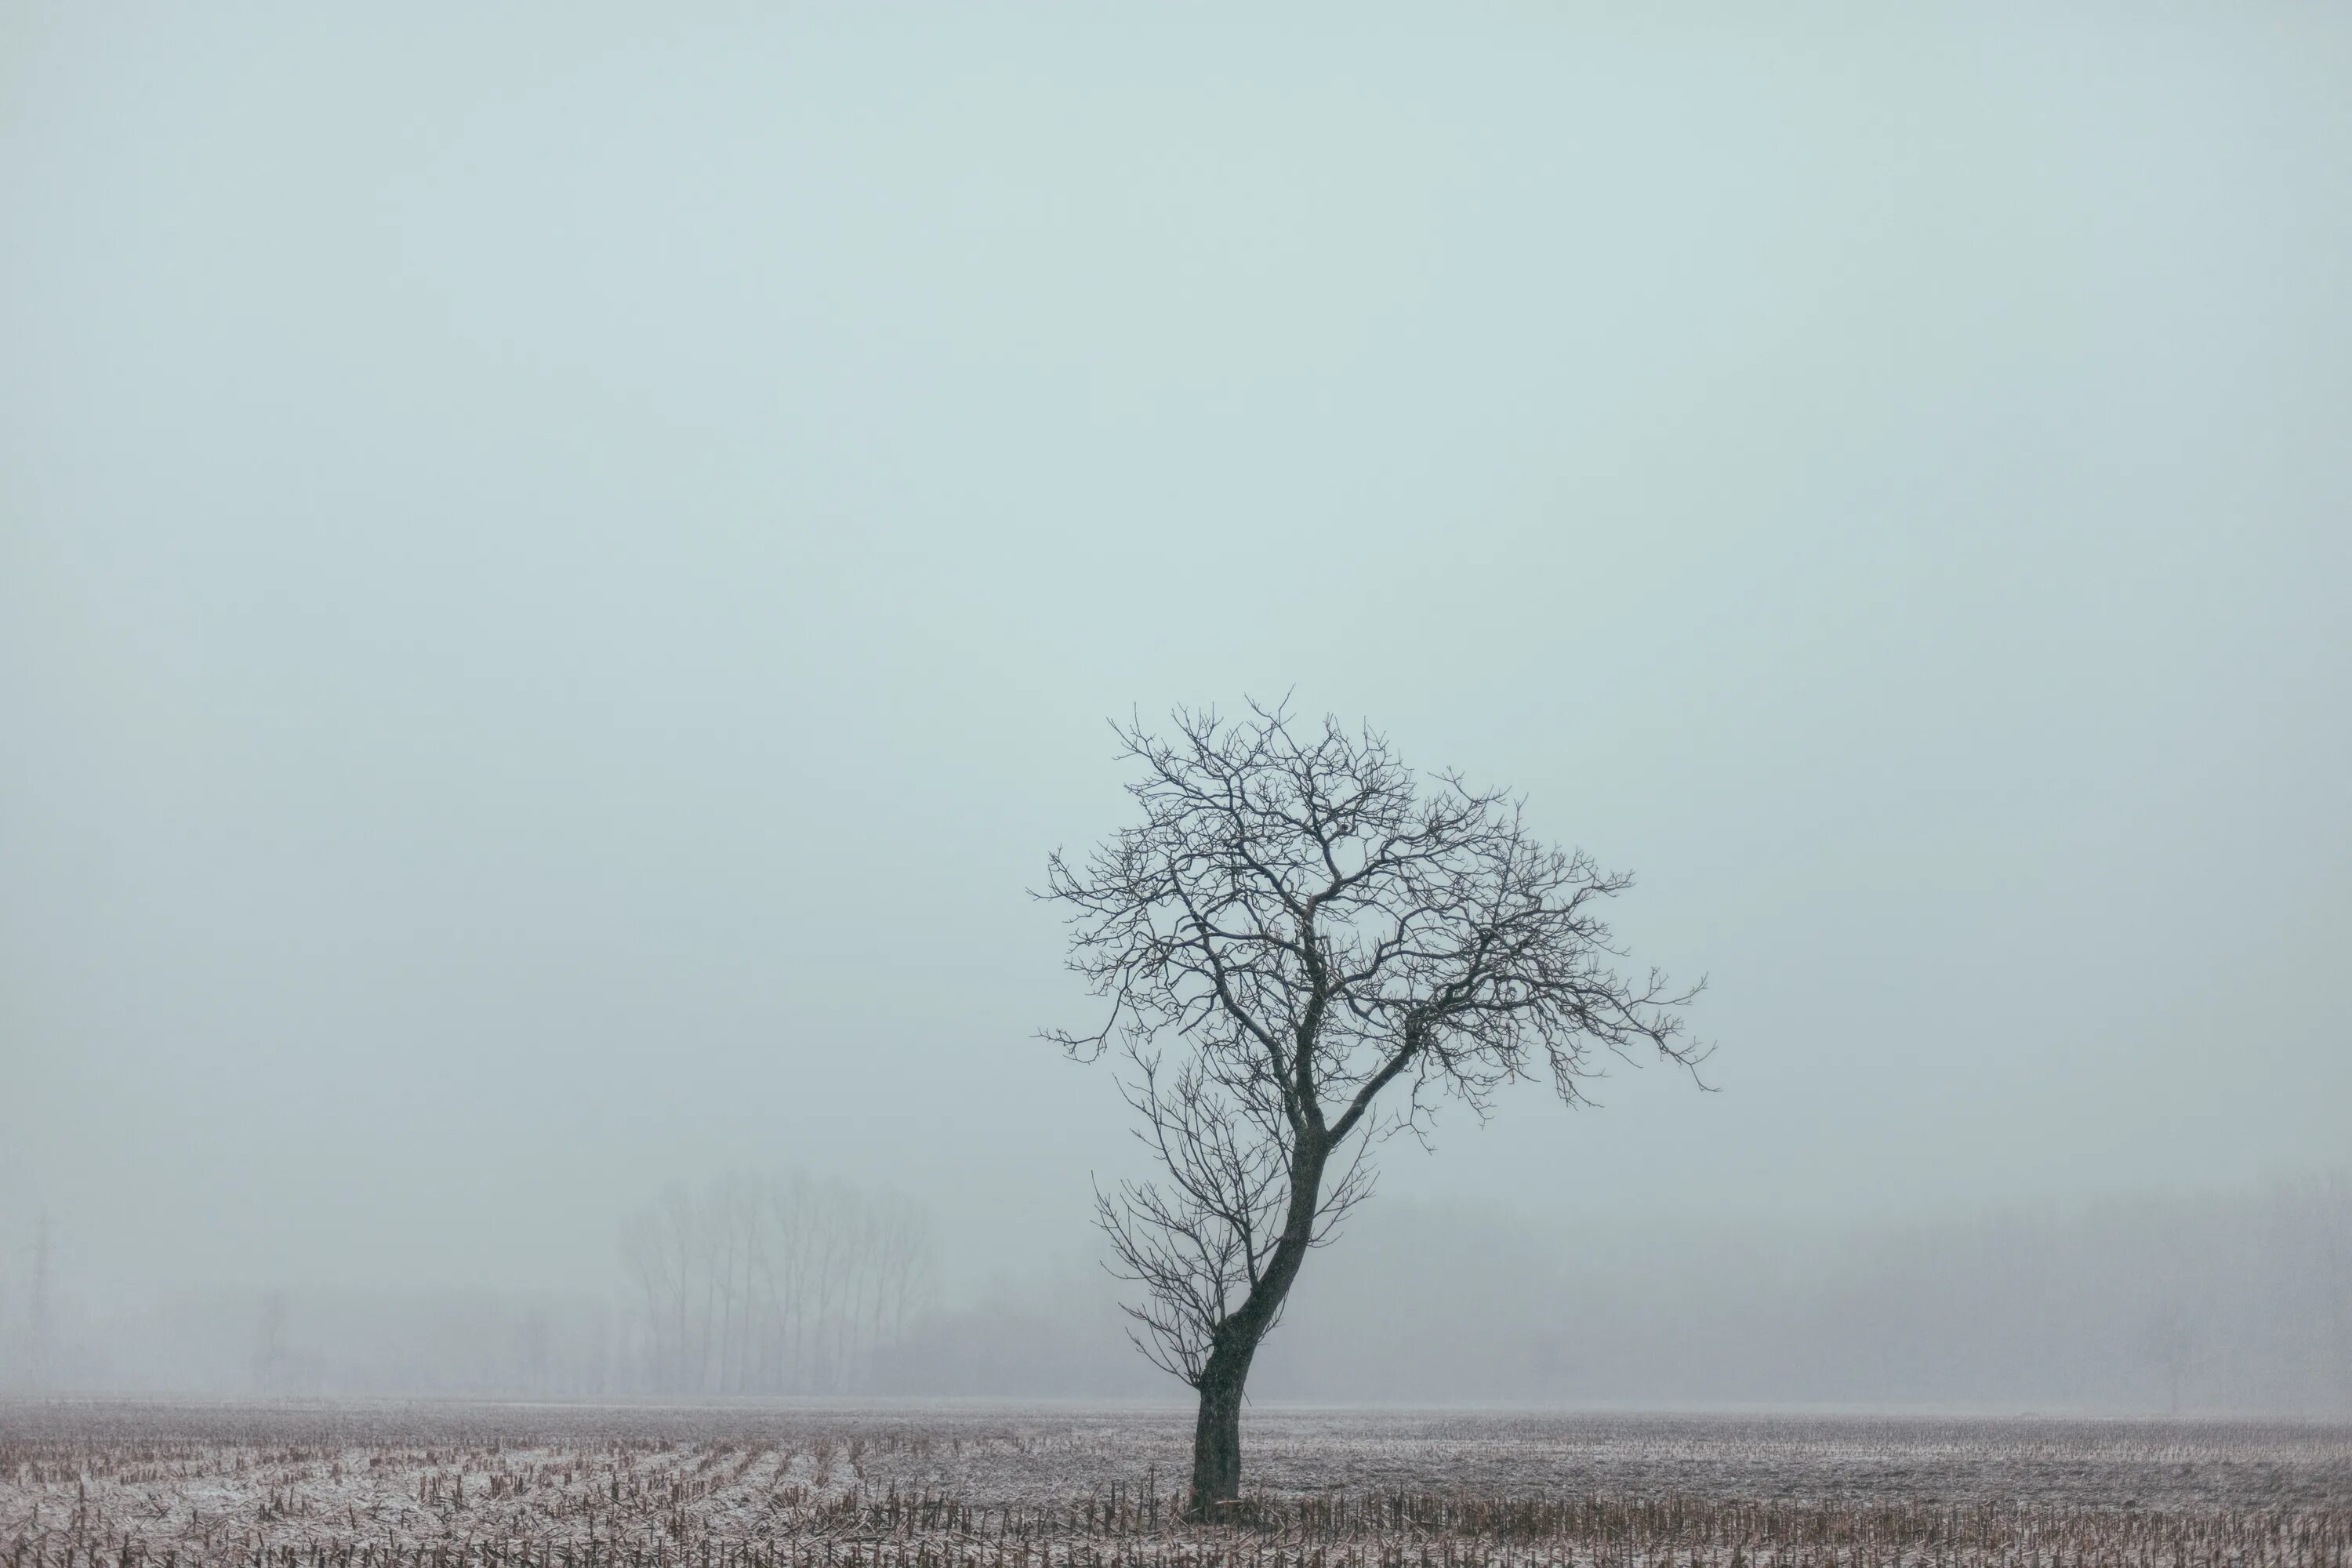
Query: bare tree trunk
[{"x": 1217, "y": 1435}]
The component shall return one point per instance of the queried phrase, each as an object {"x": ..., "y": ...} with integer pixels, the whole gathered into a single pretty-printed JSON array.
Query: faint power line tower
[{"x": 38, "y": 1348}]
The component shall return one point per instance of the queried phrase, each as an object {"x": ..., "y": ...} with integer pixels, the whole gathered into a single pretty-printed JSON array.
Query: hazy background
[{"x": 562, "y": 569}]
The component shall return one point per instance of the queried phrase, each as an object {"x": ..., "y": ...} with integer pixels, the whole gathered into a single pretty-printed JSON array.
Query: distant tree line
[
  {"x": 783, "y": 1284},
  {"x": 2197, "y": 1302},
  {"x": 2238, "y": 1299}
]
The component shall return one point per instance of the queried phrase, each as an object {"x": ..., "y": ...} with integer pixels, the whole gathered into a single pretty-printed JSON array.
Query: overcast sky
[{"x": 562, "y": 569}]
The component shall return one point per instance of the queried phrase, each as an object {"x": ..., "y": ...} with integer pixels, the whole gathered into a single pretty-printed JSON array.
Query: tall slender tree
[{"x": 1305, "y": 948}]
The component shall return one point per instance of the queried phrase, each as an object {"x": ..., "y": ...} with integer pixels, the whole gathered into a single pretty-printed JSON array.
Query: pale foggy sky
[{"x": 560, "y": 572}]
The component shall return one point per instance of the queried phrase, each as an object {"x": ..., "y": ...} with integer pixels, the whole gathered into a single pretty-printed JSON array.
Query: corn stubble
[{"x": 87, "y": 1486}]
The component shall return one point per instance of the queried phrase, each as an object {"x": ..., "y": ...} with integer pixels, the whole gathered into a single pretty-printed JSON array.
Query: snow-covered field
[{"x": 367, "y": 1485}]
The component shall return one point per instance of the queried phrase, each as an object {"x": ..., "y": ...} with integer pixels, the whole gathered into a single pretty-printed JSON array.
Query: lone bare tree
[{"x": 1305, "y": 948}]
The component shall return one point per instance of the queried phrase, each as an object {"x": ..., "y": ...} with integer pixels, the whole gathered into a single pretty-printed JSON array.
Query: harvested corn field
[{"x": 442, "y": 1486}]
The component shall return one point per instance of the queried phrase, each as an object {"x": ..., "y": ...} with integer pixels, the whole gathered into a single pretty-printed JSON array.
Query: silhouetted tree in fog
[
  {"x": 270, "y": 1351},
  {"x": 1307, "y": 948},
  {"x": 774, "y": 1285}
]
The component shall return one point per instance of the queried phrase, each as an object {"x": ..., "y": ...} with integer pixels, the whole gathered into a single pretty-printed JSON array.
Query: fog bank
[{"x": 2235, "y": 1301}]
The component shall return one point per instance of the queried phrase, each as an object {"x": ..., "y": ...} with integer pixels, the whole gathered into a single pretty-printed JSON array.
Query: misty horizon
[{"x": 2155, "y": 1304}]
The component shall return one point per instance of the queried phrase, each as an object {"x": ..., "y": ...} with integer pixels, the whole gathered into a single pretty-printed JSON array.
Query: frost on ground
[{"x": 368, "y": 1486}]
